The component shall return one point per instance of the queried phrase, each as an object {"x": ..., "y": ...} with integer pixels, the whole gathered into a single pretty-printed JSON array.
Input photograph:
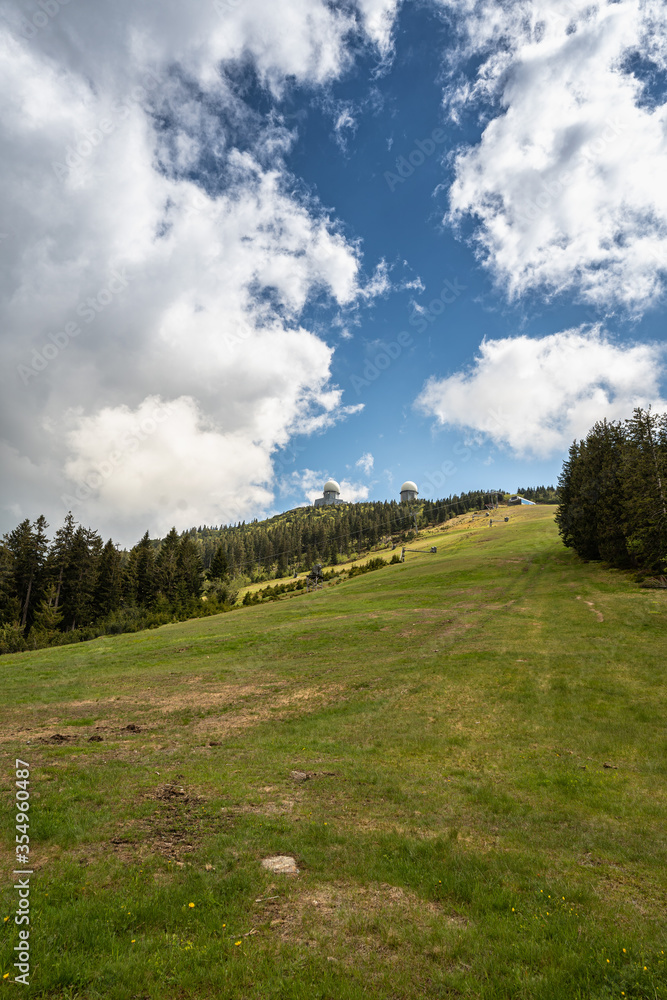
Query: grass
[{"x": 484, "y": 816}]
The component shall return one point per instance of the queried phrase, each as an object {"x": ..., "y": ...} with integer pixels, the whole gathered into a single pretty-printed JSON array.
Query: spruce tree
[
  {"x": 10, "y": 608},
  {"x": 645, "y": 488},
  {"x": 80, "y": 579},
  {"x": 144, "y": 580},
  {"x": 46, "y": 621},
  {"x": 28, "y": 546},
  {"x": 190, "y": 570},
  {"x": 166, "y": 566},
  {"x": 218, "y": 570},
  {"x": 59, "y": 553},
  {"x": 109, "y": 586}
]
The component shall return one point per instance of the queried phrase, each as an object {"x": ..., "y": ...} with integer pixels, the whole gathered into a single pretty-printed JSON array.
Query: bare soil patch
[{"x": 327, "y": 914}]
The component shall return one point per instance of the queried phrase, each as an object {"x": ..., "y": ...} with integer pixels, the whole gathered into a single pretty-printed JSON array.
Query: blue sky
[{"x": 259, "y": 246}]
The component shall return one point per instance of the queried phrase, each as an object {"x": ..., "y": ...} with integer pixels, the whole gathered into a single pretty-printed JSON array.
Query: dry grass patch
[{"x": 328, "y": 915}]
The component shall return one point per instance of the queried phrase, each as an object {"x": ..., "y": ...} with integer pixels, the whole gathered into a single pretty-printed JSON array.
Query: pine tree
[
  {"x": 28, "y": 546},
  {"x": 606, "y": 449},
  {"x": 46, "y": 621},
  {"x": 48, "y": 617},
  {"x": 79, "y": 579},
  {"x": 218, "y": 570},
  {"x": 190, "y": 570},
  {"x": 10, "y": 608},
  {"x": 109, "y": 587},
  {"x": 578, "y": 489},
  {"x": 166, "y": 566},
  {"x": 59, "y": 553},
  {"x": 144, "y": 575},
  {"x": 645, "y": 488}
]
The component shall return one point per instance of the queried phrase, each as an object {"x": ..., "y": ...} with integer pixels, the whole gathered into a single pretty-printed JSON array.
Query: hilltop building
[
  {"x": 331, "y": 494},
  {"x": 518, "y": 499},
  {"x": 409, "y": 491}
]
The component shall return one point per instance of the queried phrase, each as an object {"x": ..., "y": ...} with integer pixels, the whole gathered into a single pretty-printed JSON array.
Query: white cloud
[
  {"x": 311, "y": 481},
  {"x": 216, "y": 277},
  {"x": 379, "y": 17},
  {"x": 352, "y": 491},
  {"x": 533, "y": 396},
  {"x": 565, "y": 186},
  {"x": 167, "y": 460},
  {"x": 365, "y": 463}
]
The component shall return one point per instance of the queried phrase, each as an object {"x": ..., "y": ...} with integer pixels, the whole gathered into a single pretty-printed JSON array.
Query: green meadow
[{"x": 465, "y": 754}]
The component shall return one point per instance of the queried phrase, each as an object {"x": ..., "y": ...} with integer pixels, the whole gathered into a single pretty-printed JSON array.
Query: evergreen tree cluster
[
  {"x": 539, "y": 494},
  {"x": 613, "y": 493},
  {"x": 77, "y": 587},
  {"x": 294, "y": 541}
]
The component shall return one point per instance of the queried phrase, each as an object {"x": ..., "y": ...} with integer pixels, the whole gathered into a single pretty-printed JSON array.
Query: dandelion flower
[
  {"x": 645, "y": 968},
  {"x": 133, "y": 941},
  {"x": 624, "y": 951},
  {"x": 191, "y": 905},
  {"x": 512, "y": 909},
  {"x": 236, "y": 943},
  {"x": 6, "y": 975},
  {"x": 6, "y": 919}
]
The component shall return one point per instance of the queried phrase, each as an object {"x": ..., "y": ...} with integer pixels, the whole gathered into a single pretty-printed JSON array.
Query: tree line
[
  {"x": 75, "y": 586},
  {"x": 613, "y": 493},
  {"x": 539, "y": 494}
]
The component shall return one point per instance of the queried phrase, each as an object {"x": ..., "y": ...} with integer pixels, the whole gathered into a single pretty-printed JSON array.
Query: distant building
[
  {"x": 517, "y": 499},
  {"x": 331, "y": 494},
  {"x": 409, "y": 491}
]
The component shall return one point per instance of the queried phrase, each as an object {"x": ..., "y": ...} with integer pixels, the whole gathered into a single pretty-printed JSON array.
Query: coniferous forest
[
  {"x": 613, "y": 494},
  {"x": 539, "y": 494},
  {"x": 73, "y": 586}
]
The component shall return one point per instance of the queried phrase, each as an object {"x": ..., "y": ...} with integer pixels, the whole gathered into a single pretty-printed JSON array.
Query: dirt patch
[
  {"x": 229, "y": 708},
  {"x": 173, "y": 831},
  {"x": 166, "y": 793},
  {"x": 269, "y": 707},
  {"x": 327, "y": 914}
]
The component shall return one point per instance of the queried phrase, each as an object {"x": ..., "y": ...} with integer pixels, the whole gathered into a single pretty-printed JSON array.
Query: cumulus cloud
[
  {"x": 154, "y": 249},
  {"x": 379, "y": 17},
  {"x": 533, "y": 396},
  {"x": 168, "y": 460},
  {"x": 366, "y": 463},
  {"x": 311, "y": 481},
  {"x": 565, "y": 186}
]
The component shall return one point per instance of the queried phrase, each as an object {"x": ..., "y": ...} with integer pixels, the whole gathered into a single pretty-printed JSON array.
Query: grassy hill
[{"x": 483, "y": 813}]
